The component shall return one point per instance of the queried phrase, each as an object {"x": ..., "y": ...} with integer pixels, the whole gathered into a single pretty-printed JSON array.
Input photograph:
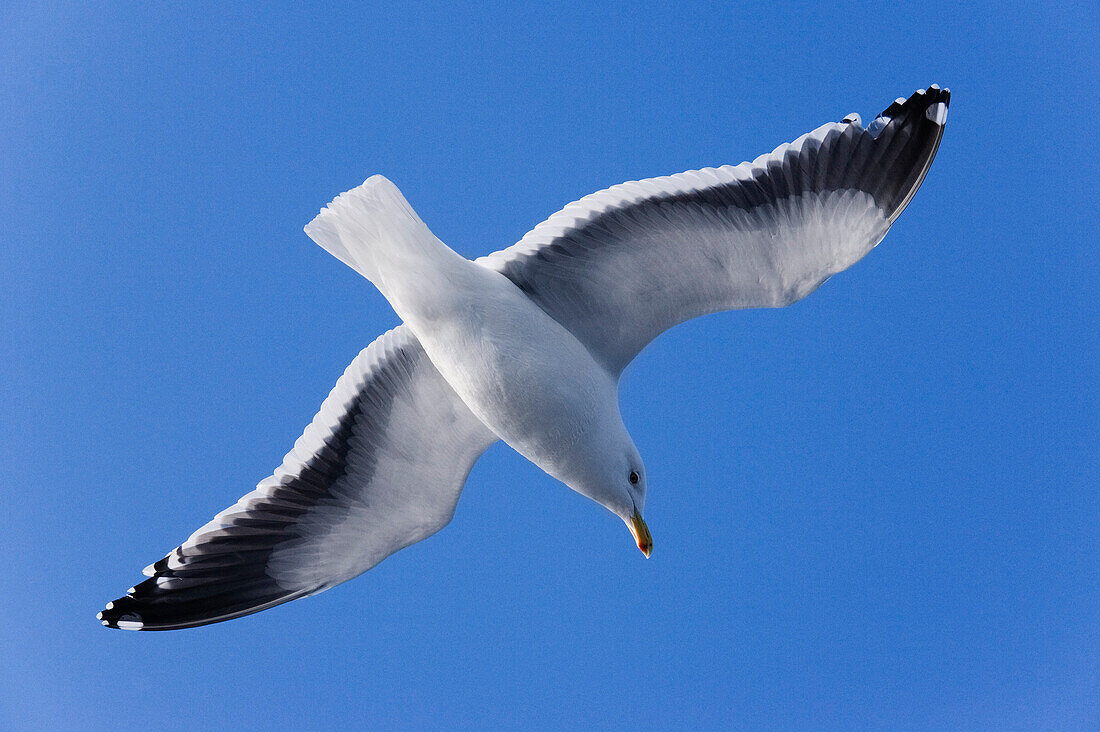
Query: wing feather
[
  {"x": 380, "y": 467},
  {"x": 620, "y": 266}
]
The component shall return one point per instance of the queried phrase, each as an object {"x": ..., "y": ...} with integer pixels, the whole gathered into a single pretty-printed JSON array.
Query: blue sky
[{"x": 877, "y": 508}]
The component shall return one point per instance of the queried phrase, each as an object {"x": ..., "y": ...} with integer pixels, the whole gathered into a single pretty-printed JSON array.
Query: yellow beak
[{"x": 641, "y": 533}]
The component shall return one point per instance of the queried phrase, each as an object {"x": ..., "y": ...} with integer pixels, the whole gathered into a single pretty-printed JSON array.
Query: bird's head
[
  {"x": 618, "y": 483},
  {"x": 635, "y": 522}
]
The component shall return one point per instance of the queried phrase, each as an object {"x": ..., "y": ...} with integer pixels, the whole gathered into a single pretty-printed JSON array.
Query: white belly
[{"x": 520, "y": 372}]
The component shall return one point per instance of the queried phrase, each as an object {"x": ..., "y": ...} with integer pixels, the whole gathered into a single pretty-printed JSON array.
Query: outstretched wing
[
  {"x": 620, "y": 266},
  {"x": 380, "y": 467}
]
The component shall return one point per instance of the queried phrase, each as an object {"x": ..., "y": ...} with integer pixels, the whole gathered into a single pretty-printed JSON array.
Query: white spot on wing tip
[
  {"x": 99, "y": 616},
  {"x": 105, "y": 624},
  {"x": 149, "y": 571},
  {"x": 937, "y": 113},
  {"x": 110, "y": 606},
  {"x": 877, "y": 125},
  {"x": 131, "y": 591}
]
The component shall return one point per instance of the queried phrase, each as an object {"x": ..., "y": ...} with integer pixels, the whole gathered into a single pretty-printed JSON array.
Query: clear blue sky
[{"x": 877, "y": 508}]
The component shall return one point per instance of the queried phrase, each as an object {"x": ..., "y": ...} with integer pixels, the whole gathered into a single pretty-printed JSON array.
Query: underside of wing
[
  {"x": 620, "y": 266},
  {"x": 380, "y": 467}
]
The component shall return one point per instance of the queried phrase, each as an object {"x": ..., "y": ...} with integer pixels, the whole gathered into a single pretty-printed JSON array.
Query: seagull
[{"x": 526, "y": 345}]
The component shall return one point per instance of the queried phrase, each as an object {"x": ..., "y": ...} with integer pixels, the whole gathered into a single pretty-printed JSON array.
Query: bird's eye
[{"x": 633, "y": 478}]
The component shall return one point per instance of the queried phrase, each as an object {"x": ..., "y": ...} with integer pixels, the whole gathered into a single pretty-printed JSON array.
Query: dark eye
[{"x": 633, "y": 478}]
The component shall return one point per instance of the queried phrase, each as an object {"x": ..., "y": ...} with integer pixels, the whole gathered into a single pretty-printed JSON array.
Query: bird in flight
[{"x": 526, "y": 345}]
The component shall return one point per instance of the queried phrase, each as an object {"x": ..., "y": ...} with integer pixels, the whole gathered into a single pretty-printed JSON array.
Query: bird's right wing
[
  {"x": 380, "y": 467},
  {"x": 620, "y": 266}
]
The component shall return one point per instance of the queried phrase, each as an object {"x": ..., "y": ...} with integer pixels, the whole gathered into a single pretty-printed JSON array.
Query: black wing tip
[
  {"x": 121, "y": 614},
  {"x": 921, "y": 103},
  {"x": 131, "y": 613},
  {"x": 909, "y": 132},
  {"x": 165, "y": 602}
]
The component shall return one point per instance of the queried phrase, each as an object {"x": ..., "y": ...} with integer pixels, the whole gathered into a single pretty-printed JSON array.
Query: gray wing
[
  {"x": 380, "y": 467},
  {"x": 620, "y": 266}
]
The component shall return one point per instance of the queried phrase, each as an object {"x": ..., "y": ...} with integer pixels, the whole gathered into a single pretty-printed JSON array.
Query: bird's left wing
[
  {"x": 620, "y": 266},
  {"x": 380, "y": 467}
]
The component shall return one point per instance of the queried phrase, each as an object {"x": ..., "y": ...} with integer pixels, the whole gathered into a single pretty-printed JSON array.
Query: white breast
[{"x": 523, "y": 374}]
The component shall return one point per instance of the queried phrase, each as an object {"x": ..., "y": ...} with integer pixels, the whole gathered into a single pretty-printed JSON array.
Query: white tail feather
[{"x": 375, "y": 231}]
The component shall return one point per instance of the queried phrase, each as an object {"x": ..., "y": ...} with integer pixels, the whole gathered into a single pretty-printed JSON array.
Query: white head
[{"x": 610, "y": 471}]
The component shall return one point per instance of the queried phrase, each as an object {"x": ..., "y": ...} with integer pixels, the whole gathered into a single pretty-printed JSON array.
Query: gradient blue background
[{"x": 877, "y": 508}]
